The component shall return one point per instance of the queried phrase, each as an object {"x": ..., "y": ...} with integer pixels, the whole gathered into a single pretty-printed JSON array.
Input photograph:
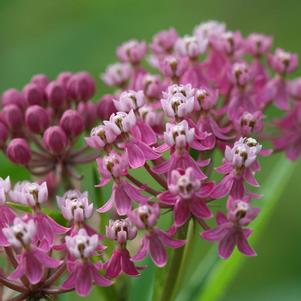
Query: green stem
[
  {"x": 174, "y": 268},
  {"x": 186, "y": 257}
]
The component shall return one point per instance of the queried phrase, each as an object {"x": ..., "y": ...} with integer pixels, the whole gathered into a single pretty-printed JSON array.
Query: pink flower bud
[
  {"x": 55, "y": 139},
  {"x": 163, "y": 42},
  {"x": 13, "y": 117},
  {"x": 34, "y": 94},
  {"x": 36, "y": 119},
  {"x": 13, "y": 96},
  {"x": 41, "y": 80},
  {"x": 88, "y": 112},
  {"x": 72, "y": 123},
  {"x": 105, "y": 107},
  {"x": 3, "y": 133},
  {"x": 81, "y": 86},
  {"x": 18, "y": 151},
  {"x": 63, "y": 78},
  {"x": 132, "y": 51},
  {"x": 56, "y": 94}
]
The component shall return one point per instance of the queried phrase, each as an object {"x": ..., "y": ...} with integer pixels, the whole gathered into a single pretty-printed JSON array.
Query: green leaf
[{"x": 213, "y": 275}]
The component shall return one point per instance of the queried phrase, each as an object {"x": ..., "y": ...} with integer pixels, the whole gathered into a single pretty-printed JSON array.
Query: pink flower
[
  {"x": 240, "y": 164},
  {"x": 231, "y": 231},
  {"x": 82, "y": 271},
  {"x": 174, "y": 67},
  {"x": 258, "y": 44},
  {"x": 121, "y": 231},
  {"x": 164, "y": 41},
  {"x": 188, "y": 196},
  {"x": 32, "y": 260},
  {"x": 282, "y": 61},
  {"x": 100, "y": 137},
  {"x": 129, "y": 100},
  {"x": 132, "y": 51},
  {"x": 115, "y": 166},
  {"x": 190, "y": 46},
  {"x": 75, "y": 206},
  {"x": 178, "y": 101},
  {"x": 154, "y": 240},
  {"x": 117, "y": 74},
  {"x": 249, "y": 123}
]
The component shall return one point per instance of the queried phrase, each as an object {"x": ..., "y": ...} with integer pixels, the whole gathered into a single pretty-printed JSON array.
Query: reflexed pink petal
[
  {"x": 199, "y": 209},
  {"x": 18, "y": 272},
  {"x": 215, "y": 234},
  {"x": 108, "y": 205},
  {"x": 205, "y": 189},
  {"x": 134, "y": 193},
  {"x": 127, "y": 265},
  {"x": 147, "y": 134},
  {"x": 84, "y": 280},
  {"x": 46, "y": 260},
  {"x": 238, "y": 189},
  {"x": 70, "y": 281},
  {"x": 122, "y": 200},
  {"x": 163, "y": 167},
  {"x": 226, "y": 246},
  {"x": 221, "y": 218},
  {"x": 249, "y": 177},
  {"x": 143, "y": 250},
  {"x": 167, "y": 198},
  {"x": 169, "y": 241},
  {"x": 99, "y": 279},
  {"x": 243, "y": 245},
  {"x": 148, "y": 152},
  {"x": 135, "y": 155},
  {"x": 181, "y": 213},
  {"x": 223, "y": 187},
  {"x": 34, "y": 269},
  {"x": 157, "y": 251},
  {"x": 114, "y": 265}
]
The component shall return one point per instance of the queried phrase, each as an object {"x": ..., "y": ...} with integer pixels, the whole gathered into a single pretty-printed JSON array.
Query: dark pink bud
[
  {"x": 55, "y": 139},
  {"x": 13, "y": 117},
  {"x": 56, "y": 94},
  {"x": 3, "y": 133},
  {"x": 18, "y": 151},
  {"x": 72, "y": 123},
  {"x": 13, "y": 97},
  {"x": 37, "y": 119},
  {"x": 88, "y": 111},
  {"x": 41, "y": 80},
  {"x": 81, "y": 86},
  {"x": 105, "y": 107},
  {"x": 63, "y": 78},
  {"x": 34, "y": 94}
]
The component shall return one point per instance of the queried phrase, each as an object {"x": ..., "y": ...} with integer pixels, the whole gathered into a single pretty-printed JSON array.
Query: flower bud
[
  {"x": 72, "y": 123},
  {"x": 41, "y": 80},
  {"x": 105, "y": 107},
  {"x": 34, "y": 94},
  {"x": 55, "y": 139},
  {"x": 81, "y": 86},
  {"x": 37, "y": 119},
  {"x": 56, "y": 94},
  {"x": 13, "y": 96},
  {"x": 18, "y": 151},
  {"x": 13, "y": 117},
  {"x": 3, "y": 133},
  {"x": 63, "y": 78},
  {"x": 88, "y": 112}
]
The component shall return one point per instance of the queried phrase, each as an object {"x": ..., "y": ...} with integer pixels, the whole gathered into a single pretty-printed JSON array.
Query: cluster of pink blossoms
[{"x": 209, "y": 94}]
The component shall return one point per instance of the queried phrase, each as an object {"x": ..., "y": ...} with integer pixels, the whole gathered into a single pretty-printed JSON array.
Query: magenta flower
[
  {"x": 240, "y": 165},
  {"x": 173, "y": 67},
  {"x": 117, "y": 74},
  {"x": 114, "y": 166},
  {"x": 188, "y": 196},
  {"x": 190, "y": 46},
  {"x": 231, "y": 231},
  {"x": 154, "y": 239},
  {"x": 258, "y": 44},
  {"x": 121, "y": 231},
  {"x": 132, "y": 52},
  {"x": 82, "y": 271},
  {"x": 164, "y": 41},
  {"x": 31, "y": 260}
]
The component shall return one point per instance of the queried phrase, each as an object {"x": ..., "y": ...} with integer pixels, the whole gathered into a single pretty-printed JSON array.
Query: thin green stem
[{"x": 174, "y": 268}]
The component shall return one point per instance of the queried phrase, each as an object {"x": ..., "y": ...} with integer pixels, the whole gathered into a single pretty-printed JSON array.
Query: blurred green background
[{"x": 49, "y": 36}]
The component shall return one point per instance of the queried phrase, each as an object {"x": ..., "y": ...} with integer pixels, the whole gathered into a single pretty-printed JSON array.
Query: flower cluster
[{"x": 210, "y": 93}]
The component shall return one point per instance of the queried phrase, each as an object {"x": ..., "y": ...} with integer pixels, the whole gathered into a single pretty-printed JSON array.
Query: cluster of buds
[{"x": 210, "y": 94}]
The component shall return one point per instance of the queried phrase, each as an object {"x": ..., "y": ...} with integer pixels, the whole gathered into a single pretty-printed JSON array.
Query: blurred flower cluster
[{"x": 201, "y": 94}]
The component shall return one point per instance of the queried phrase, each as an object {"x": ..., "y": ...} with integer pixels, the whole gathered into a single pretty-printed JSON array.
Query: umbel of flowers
[{"x": 202, "y": 93}]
